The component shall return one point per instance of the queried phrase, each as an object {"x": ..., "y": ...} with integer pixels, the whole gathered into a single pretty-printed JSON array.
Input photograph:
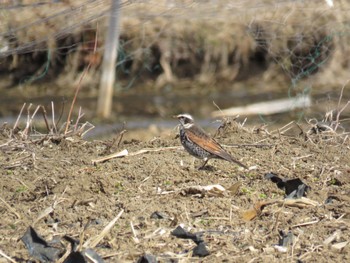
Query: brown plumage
[{"x": 199, "y": 144}]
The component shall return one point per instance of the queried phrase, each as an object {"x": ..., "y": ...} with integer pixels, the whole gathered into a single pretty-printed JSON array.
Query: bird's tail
[
  {"x": 228, "y": 157},
  {"x": 237, "y": 162}
]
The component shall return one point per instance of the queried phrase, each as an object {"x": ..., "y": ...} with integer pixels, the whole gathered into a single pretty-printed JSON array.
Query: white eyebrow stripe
[
  {"x": 188, "y": 125},
  {"x": 186, "y": 115}
]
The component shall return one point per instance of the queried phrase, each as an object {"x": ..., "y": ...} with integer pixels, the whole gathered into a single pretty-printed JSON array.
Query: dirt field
[
  {"x": 154, "y": 205},
  {"x": 53, "y": 186}
]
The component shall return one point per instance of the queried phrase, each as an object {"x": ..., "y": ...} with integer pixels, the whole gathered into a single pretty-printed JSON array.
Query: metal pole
[{"x": 105, "y": 95}]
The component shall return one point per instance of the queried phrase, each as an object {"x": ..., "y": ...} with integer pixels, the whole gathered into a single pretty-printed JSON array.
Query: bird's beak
[{"x": 175, "y": 116}]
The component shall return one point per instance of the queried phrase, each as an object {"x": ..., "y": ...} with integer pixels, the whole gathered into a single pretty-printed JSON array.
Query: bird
[{"x": 199, "y": 144}]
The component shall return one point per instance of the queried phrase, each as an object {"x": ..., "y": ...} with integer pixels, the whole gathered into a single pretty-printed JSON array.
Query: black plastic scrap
[
  {"x": 81, "y": 256},
  {"x": 85, "y": 256},
  {"x": 75, "y": 257},
  {"x": 44, "y": 252},
  {"x": 147, "y": 258},
  {"x": 200, "y": 250},
  {"x": 158, "y": 215},
  {"x": 73, "y": 242},
  {"x": 39, "y": 248},
  {"x": 182, "y": 233},
  {"x": 294, "y": 188},
  {"x": 285, "y": 239},
  {"x": 92, "y": 255}
]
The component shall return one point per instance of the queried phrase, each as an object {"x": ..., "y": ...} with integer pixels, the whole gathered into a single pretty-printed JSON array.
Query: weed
[
  {"x": 246, "y": 190},
  {"x": 118, "y": 187},
  {"x": 21, "y": 189},
  {"x": 263, "y": 196}
]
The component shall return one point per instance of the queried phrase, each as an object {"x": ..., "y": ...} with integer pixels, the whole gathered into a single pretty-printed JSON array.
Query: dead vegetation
[
  {"x": 152, "y": 203},
  {"x": 171, "y": 41}
]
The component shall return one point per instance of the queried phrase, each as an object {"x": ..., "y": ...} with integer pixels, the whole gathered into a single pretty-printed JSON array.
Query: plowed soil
[{"x": 52, "y": 185}]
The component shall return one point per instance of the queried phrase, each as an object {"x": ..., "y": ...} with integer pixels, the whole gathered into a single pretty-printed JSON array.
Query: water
[{"x": 139, "y": 111}]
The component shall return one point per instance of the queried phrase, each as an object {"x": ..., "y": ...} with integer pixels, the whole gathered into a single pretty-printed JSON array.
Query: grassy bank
[{"x": 175, "y": 41}]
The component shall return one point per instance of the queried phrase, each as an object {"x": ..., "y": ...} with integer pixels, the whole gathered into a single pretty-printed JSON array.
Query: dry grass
[
  {"x": 176, "y": 40},
  {"x": 62, "y": 194}
]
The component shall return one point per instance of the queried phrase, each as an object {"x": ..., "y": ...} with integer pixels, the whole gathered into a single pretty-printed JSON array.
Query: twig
[
  {"x": 338, "y": 115},
  {"x": 50, "y": 209},
  {"x": 126, "y": 153},
  {"x": 53, "y": 117},
  {"x": 341, "y": 93},
  {"x": 300, "y": 202},
  {"x": 7, "y": 257},
  {"x": 61, "y": 114},
  {"x": 19, "y": 116},
  {"x": 29, "y": 119},
  {"x": 300, "y": 158},
  {"x": 78, "y": 87},
  {"x": 244, "y": 122},
  {"x": 279, "y": 130},
  {"x": 75, "y": 97},
  {"x": 306, "y": 223},
  {"x": 121, "y": 134},
  {"x": 10, "y": 208},
  {"x": 6, "y": 143},
  {"x": 93, "y": 243},
  {"x": 80, "y": 115},
  {"x": 249, "y": 145},
  {"x": 45, "y": 118},
  {"x": 135, "y": 238},
  {"x": 65, "y": 255},
  {"x": 256, "y": 210},
  {"x": 111, "y": 156},
  {"x": 146, "y": 150},
  {"x": 187, "y": 215},
  {"x": 85, "y": 132},
  {"x": 44, "y": 213},
  {"x": 301, "y": 129},
  {"x": 214, "y": 103},
  {"x": 119, "y": 137},
  {"x": 294, "y": 241}
]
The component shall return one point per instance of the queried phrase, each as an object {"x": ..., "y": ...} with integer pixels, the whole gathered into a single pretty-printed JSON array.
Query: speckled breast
[{"x": 193, "y": 148}]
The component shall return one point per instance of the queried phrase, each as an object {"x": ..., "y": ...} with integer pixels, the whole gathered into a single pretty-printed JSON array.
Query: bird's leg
[{"x": 204, "y": 163}]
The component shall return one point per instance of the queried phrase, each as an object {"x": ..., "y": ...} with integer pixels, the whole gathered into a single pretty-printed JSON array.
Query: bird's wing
[{"x": 199, "y": 137}]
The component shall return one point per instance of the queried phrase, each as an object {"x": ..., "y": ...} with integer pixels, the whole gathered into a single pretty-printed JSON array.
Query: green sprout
[
  {"x": 21, "y": 189},
  {"x": 118, "y": 187},
  {"x": 263, "y": 196}
]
